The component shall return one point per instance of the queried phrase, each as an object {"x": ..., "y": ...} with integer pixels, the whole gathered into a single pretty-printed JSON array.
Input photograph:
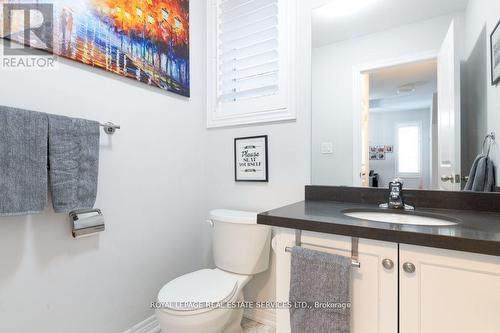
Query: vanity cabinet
[
  {"x": 449, "y": 291},
  {"x": 439, "y": 291}
]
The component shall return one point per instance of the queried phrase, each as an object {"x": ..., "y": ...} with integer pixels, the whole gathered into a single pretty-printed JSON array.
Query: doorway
[
  {"x": 397, "y": 124},
  {"x": 440, "y": 167}
]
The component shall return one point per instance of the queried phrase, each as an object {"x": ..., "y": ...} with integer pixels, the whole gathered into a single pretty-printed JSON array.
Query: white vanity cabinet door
[
  {"x": 374, "y": 288},
  {"x": 450, "y": 291}
]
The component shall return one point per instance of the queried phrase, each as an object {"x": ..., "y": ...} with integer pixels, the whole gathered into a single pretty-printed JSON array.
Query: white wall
[
  {"x": 288, "y": 174},
  {"x": 332, "y": 91},
  {"x": 482, "y": 100},
  {"x": 289, "y": 159},
  {"x": 151, "y": 184},
  {"x": 159, "y": 177},
  {"x": 383, "y": 127}
]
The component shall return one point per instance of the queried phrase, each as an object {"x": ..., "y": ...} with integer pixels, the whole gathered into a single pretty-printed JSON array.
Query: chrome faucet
[{"x": 396, "y": 199}]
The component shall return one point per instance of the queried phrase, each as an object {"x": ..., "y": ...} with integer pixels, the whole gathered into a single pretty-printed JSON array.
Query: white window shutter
[
  {"x": 249, "y": 62},
  {"x": 248, "y": 49}
]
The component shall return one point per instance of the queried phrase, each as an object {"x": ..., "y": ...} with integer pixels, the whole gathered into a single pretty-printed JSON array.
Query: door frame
[{"x": 358, "y": 71}]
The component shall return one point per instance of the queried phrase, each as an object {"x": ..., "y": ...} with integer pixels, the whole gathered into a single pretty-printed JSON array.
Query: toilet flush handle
[{"x": 211, "y": 223}]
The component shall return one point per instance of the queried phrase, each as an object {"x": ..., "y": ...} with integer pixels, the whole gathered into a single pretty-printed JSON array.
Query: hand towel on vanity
[
  {"x": 23, "y": 161},
  {"x": 482, "y": 175},
  {"x": 73, "y": 162},
  {"x": 472, "y": 173},
  {"x": 324, "y": 278},
  {"x": 489, "y": 181}
]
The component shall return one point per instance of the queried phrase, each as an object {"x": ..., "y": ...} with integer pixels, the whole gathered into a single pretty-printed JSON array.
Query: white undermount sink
[{"x": 401, "y": 218}]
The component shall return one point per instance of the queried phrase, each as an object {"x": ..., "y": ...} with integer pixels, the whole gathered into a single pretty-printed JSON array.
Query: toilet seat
[{"x": 198, "y": 292}]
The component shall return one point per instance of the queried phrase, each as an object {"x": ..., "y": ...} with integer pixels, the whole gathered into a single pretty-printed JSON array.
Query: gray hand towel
[
  {"x": 73, "y": 162},
  {"x": 472, "y": 173},
  {"x": 324, "y": 278},
  {"x": 482, "y": 175},
  {"x": 23, "y": 161},
  {"x": 489, "y": 182}
]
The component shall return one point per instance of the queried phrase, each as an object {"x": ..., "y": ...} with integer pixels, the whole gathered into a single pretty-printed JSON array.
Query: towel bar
[
  {"x": 354, "y": 248},
  {"x": 491, "y": 140},
  {"x": 74, "y": 214},
  {"x": 110, "y": 128}
]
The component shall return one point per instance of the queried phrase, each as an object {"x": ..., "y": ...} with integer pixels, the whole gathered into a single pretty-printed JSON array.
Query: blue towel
[
  {"x": 73, "y": 162},
  {"x": 23, "y": 161}
]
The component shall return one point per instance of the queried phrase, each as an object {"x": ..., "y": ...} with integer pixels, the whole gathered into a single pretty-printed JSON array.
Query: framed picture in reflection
[{"x": 495, "y": 55}]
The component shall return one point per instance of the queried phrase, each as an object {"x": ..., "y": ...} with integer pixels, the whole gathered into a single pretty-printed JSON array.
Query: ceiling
[
  {"x": 373, "y": 16},
  {"x": 384, "y": 84}
]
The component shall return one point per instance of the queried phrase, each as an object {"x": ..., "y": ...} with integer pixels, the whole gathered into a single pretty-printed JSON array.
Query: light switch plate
[{"x": 326, "y": 148}]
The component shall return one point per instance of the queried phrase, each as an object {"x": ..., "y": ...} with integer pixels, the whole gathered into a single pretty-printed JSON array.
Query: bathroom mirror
[{"x": 402, "y": 89}]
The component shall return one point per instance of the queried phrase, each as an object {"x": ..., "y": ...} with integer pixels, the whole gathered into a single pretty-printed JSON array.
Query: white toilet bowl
[
  {"x": 199, "y": 302},
  {"x": 205, "y": 301}
]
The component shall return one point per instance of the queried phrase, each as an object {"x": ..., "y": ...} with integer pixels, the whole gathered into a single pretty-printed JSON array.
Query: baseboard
[
  {"x": 149, "y": 325},
  {"x": 263, "y": 316}
]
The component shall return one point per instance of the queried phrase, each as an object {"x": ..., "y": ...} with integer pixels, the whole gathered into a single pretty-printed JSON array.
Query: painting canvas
[{"x": 146, "y": 40}]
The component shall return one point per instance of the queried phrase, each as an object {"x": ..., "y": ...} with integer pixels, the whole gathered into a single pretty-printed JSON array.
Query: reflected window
[{"x": 409, "y": 149}]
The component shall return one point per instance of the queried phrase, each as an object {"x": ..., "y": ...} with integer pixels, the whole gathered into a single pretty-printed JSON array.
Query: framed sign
[
  {"x": 495, "y": 55},
  {"x": 250, "y": 158}
]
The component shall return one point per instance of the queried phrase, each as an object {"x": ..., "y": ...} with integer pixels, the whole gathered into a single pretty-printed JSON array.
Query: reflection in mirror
[
  {"x": 402, "y": 89},
  {"x": 399, "y": 125}
]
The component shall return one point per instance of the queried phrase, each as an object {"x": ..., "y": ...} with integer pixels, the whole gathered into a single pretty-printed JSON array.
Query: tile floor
[{"x": 250, "y": 326}]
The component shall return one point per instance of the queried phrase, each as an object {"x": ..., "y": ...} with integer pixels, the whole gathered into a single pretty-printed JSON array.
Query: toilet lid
[{"x": 198, "y": 290}]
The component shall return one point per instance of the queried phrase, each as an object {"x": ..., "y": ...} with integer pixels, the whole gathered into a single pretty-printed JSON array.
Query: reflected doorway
[{"x": 399, "y": 125}]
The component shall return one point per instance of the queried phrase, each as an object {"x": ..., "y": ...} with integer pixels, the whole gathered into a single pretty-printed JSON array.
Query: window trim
[
  {"x": 418, "y": 124},
  {"x": 260, "y": 110}
]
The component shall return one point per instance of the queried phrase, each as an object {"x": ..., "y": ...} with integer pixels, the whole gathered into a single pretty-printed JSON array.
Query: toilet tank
[{"x": 240, "y": 245}]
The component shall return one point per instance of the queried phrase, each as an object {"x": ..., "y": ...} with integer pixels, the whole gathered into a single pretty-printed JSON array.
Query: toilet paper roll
[
  {"x": 88, "y": 226},
  {"x": 89, "y": 222}
]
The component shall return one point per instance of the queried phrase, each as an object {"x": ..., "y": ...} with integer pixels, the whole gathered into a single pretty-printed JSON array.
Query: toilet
[{"x": 203, "y": 301}]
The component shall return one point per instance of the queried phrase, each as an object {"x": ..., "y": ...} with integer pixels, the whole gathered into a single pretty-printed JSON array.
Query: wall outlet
[{"x": 326, "y": 148}]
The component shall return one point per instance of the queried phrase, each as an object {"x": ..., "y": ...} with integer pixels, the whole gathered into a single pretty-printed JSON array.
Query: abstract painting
[{"x": 146, "y": 40}]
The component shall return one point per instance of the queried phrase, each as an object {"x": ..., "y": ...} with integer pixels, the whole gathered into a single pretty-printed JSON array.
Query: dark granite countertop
[{"x": 477, "y": 231}]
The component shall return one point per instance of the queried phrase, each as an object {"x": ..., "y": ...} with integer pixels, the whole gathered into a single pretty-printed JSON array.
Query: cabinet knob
[
  {"x": 388, "y": 264},
  {"x": 408, "y": 267}
]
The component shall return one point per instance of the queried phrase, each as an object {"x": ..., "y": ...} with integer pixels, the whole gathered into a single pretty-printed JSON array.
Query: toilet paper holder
[{"x": 86, "y": 226}]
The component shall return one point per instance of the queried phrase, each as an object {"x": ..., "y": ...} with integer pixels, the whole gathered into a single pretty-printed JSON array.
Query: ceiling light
[
  {"x": 339, "y": 8},
  {"x": 406, "y": 88}
]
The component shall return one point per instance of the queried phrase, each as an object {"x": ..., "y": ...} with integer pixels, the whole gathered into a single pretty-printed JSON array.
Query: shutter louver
[{"x": 248, "y": 49}]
